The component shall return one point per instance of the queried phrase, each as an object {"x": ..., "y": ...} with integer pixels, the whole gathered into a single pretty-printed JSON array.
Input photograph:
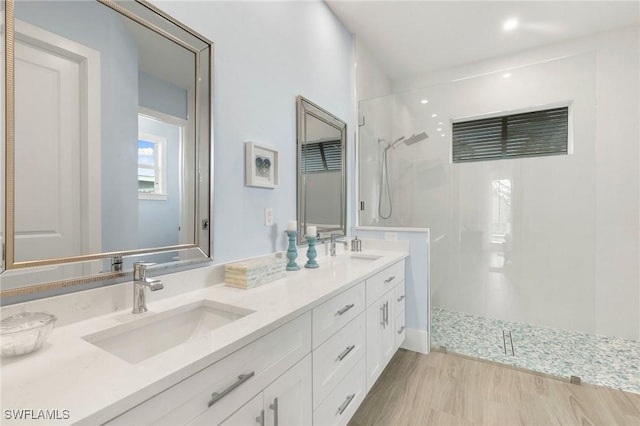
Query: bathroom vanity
[{"x": 301, "y": 350}]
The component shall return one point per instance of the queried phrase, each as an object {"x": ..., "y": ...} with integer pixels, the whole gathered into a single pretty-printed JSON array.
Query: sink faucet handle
[
  {"x": 140, "y": 281},
  {"x": 140, "y": 270}
]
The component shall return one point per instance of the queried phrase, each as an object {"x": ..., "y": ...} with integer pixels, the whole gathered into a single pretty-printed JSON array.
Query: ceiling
[{"x": 413, "y": 37}]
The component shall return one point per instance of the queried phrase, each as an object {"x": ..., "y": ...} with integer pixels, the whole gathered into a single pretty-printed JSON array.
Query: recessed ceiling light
[
  {"x": 442, "y": 134},
  {"x": 424, "y": 101},
  {"x": 506, "y": 75},
  {"x": 510, "y": 24},
  {"x": 439, "y": 129},
  {"x": 434, "y": 115},
  {"x": 439, "y": 123}
]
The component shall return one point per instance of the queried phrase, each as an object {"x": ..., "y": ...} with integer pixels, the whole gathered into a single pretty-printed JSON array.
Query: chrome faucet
[
  {"x": 334, "y": 238},
  {"x": 140, "y": 281}
]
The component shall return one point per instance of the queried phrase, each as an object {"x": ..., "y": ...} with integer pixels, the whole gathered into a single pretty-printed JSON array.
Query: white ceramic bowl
[{"x": 25, "y": 332}]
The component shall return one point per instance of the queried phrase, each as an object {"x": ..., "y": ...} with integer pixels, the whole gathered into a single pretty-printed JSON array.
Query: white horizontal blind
[
  {"x": 529, "y": 134},
  {"x": 322, "y": 157}
]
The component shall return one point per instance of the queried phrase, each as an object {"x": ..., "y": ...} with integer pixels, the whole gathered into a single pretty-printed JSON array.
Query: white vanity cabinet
[
  {"x": 384, "y": 318},
  {"x": 314, "y": 370},
  {"x": 213, "y": 394}
]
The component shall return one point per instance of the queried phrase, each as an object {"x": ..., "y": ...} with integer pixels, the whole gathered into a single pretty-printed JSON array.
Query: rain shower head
[
  {"x": 407, "y": 141},
  {"x": 416, "y": 138}
]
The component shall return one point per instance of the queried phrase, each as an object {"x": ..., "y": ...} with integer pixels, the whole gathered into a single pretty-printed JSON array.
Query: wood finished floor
[{"x": 444, "y": 389}]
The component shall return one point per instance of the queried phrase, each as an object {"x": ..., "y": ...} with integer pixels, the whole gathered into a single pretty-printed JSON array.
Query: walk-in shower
[
  {"x": 520, "y": 269},
  {"x": 384, "y": 169}
]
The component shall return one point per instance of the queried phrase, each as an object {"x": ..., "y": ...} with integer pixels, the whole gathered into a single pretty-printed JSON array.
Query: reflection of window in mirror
[
  {"x": 152, "y": 170},
  {"x": 160, "y": 140}
]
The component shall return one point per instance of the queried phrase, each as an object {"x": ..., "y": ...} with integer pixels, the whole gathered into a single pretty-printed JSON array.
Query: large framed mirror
[
  {"x": 321, "y": 163},
  {"x": 107, "y": 140}
]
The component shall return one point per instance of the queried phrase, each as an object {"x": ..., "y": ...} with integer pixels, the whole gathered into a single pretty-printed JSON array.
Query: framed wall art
[{"x": 261, "y": 165}]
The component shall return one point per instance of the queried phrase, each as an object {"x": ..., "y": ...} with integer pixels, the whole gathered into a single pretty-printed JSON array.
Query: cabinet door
[
  {"x": 388, "y": 338},
  {"x": 375, "y": 317},
  {"x": 287, "y": 401},
  {"x": 252, "y": 413}
]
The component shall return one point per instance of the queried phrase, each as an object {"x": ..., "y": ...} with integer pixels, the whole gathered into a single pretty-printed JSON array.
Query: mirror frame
[
  {"x": 200, "y": 250},
  {"x": 305, "y": 107}
]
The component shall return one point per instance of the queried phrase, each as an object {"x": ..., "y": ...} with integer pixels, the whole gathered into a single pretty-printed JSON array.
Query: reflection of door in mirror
[{"x": 53, "y": 166}]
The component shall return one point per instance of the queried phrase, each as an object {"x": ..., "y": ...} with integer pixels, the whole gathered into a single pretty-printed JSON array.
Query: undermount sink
[
  {"x": 360, "y": 257},
  {"x": 156, "y": 333}
]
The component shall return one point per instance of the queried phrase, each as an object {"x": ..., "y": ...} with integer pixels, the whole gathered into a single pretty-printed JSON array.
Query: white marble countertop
[{"x": 69, "y": 373}]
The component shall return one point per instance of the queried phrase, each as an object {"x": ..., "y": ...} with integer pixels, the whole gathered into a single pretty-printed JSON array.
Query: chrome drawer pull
[
  {"x": 346, "y": 403},
  {"x": 345, "y": 309},
  {"x": 345, "y": 352},
  {"x": 260, "y": 418},
  {"x": 382, "y": 315},
  {"x": 391, "y": 278},
  {"x": 217, "y": 396},
  {"x": 274, "y": 407},
  {"x": 401, "y": 330},
  {"x": 401, "y": 298}
]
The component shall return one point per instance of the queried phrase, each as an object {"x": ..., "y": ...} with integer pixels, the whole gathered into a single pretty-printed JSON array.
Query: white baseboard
[{"x": 416, "y": 340}]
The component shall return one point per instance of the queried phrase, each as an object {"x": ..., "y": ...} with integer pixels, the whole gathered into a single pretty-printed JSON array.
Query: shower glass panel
[{"x": 513, "y": 242}]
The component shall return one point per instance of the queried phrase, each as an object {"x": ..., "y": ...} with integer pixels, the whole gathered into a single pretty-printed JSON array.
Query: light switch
[
  {"x": 391, "y": 236},
  {"x": 268, "y": 216}
]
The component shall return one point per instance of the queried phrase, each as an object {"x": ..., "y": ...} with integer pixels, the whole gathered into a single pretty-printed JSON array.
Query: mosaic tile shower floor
[{"x": 607, "y": 361}]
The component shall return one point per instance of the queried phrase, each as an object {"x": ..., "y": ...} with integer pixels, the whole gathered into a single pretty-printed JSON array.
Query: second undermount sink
[
  {"x": 156, "y": 333},
  {"x": 361, "y": 257}
]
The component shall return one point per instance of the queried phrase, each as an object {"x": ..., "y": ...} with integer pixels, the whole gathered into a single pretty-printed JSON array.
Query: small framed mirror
[{"x": 322, "y": 181}]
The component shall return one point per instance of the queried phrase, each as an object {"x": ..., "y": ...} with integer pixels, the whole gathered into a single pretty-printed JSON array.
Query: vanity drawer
[
  {"x": 336, "y": 357},
  {"x": 384, "y": 281},
  {"x": 267, "y": 358},
  {"x": 335, "y": 313},
  {"x": 345, "y": 399},
  {"x": 399, "y": 297}
]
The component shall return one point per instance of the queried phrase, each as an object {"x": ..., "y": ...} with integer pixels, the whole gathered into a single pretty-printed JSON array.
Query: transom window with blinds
[
  {"x": 322, "y": 156},
  {"x": 529, "y": 134}
]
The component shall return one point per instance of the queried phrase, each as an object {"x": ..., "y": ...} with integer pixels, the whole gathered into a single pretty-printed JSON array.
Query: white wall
[
  {"x": 266, "y": 53},
  {"x": 577, "y": 259},
  {"x": 372, "y": 80}
]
